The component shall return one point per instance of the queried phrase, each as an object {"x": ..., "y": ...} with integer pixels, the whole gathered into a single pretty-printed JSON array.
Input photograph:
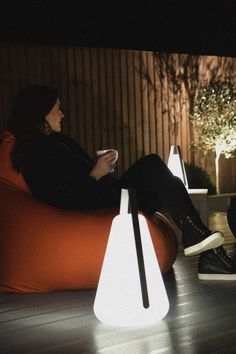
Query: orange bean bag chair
[{"x": 43, "y": 248}]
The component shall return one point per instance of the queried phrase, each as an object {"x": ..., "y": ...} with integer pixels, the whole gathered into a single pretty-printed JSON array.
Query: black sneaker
[
  {"x": 197, "y": 238},
  {"x": 215, "y": 265}
]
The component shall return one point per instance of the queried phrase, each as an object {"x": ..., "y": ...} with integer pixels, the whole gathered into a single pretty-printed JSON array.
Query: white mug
[{"x": 101, "y": 152}]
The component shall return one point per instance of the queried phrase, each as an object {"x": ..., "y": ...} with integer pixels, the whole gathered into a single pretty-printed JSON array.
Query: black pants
[{"x": 157, "y": 188}]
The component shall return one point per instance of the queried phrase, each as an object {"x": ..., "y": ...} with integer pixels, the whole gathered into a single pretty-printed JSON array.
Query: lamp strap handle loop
[{"x": 139, "y": 248}]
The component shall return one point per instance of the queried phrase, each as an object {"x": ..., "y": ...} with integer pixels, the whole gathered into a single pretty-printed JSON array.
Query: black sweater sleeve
[{"x": 57, "y": 172}]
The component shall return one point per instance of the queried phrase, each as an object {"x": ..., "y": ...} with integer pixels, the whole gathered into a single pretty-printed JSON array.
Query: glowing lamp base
[{"x": 119, "y": 298}]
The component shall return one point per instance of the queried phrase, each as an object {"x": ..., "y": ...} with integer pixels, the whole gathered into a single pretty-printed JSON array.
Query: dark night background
[{"x": 195, "y": 27}]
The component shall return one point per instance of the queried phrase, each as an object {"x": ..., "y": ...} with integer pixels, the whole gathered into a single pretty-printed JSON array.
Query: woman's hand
[{"x": 104, "y": 165}]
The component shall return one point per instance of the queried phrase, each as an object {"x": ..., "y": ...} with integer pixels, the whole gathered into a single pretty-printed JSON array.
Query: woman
[{"x": 59, "y": 172}]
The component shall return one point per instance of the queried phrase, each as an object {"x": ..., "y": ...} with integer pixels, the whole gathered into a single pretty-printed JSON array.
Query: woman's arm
[{"x": 66, "y": 181}]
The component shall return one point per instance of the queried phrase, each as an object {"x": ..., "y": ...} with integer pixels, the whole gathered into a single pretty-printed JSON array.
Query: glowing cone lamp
[
  {"x": 176, "y": 164},
  {"x": 131, "y": 291}
]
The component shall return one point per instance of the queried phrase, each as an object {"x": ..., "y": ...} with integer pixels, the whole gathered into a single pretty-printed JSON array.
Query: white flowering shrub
[{"x": 214, "y": 117}]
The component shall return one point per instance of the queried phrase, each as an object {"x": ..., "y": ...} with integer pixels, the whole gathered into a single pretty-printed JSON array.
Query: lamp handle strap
[{"x": 139, "y": 248}]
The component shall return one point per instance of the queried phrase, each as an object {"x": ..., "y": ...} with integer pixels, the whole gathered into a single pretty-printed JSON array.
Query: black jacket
[{"x": 57, "y": 169}]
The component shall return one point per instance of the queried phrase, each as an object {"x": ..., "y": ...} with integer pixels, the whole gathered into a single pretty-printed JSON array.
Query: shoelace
[
  {"x": 203, "y": 230},
  {"x": 222, "y": 253}
]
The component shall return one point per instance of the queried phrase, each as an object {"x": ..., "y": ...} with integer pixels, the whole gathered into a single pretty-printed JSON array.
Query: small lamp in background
[{"x": 176, "y": 164}]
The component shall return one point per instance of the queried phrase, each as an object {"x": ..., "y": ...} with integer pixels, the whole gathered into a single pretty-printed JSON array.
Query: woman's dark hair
[{"x": 30, "y": 107}]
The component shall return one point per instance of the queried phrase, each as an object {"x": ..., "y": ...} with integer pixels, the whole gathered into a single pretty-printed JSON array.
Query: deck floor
[{"x": 201, "y": 319}]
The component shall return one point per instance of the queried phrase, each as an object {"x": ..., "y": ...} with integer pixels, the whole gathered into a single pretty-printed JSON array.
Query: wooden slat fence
[{"x": 135, "y": 101}]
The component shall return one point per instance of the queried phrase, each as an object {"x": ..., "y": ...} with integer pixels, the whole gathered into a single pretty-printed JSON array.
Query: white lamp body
[
  {"x": 176, "y": 164},
  {"x": 119, "y": 300}
]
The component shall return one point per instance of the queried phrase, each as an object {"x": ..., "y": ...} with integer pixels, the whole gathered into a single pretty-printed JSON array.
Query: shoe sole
[
  {"x": 227, "y": 277},
  {"x": 212, "y": 241}
]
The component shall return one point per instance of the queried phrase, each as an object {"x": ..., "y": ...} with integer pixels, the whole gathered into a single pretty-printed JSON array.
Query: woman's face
[{"x": 54, "y": 117}]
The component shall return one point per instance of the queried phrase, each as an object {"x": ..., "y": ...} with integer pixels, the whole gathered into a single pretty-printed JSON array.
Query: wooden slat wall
[{"x": 135, "y": 101}]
